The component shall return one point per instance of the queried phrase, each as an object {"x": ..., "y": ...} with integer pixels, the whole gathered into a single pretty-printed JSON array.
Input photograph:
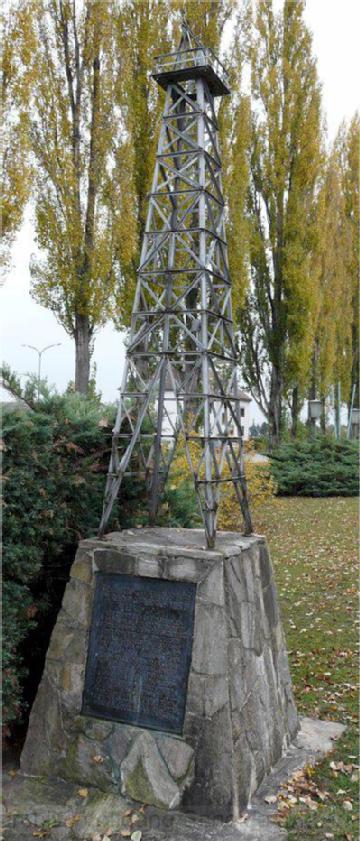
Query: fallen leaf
[
  {"x": 72, "y": 820},
  {"x": 125, "y": 833},
  {"x": 83, "y": 792},
  {"x": 347, "y": 804},
  {"x": 40, "y": 833},
  {"x": 270, "y": 799},
  {"x": 134, "y": 818},
  {"x": 98, "y": 759},
  {"x": 136, "y": 836}
]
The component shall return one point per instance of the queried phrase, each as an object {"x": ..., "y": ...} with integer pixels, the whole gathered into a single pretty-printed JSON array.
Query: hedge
[
  {"x": 318, "y": 466},
  {"x": 55, "y": 462}
]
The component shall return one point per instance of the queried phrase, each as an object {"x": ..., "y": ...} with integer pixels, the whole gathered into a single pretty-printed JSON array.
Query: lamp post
[
  {"x": 40, "y": 353},
  {"x": 355, "y": 423},
  {"x": 314, "y": 411}
]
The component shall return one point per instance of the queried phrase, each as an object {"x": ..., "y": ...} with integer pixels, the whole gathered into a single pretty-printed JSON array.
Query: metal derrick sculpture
[{"x": 182, "y": 338}]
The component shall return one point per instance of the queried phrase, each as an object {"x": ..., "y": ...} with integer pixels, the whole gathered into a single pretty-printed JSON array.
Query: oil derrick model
[{"x": 182, "y": 339}]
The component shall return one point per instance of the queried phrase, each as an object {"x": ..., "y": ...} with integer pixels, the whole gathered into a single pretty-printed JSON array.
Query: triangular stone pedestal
[{"x": 235, "y": 703}]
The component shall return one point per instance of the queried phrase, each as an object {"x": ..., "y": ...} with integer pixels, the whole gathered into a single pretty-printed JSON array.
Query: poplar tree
[
  {"x": 142, "y": 30},
  {"x": 17, "y": 69},
  {"x": 206, "y": 19},
  {"x": 85, "y": 204},
  {"x": 332, "y": 268},
  {"x": 235, "y": 136},
  {"x": 285, "y": 156},
  {"x": 348, "y": 145}
]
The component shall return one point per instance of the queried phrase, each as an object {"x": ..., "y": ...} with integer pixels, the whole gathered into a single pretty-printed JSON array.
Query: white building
[
  {"x": 245, "y": 401},
  {"x": 170, "y": 413}
]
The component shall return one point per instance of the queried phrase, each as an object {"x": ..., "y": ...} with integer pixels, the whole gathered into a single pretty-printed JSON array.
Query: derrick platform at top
[{"x": 192, "y": 63}]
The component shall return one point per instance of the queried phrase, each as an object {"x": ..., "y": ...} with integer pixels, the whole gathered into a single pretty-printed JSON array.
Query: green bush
[
  {"x": 55, "y": 459},
  {"x": 318, "y": 466}
]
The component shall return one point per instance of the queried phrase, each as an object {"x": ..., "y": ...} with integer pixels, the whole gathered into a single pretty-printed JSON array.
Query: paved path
[{"x": 54, "y": 811}]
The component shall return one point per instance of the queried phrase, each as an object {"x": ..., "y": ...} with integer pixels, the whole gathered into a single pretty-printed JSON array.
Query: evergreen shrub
[
  {"x": 317, "y": 466},
  {"x": 56, "y": 457}
]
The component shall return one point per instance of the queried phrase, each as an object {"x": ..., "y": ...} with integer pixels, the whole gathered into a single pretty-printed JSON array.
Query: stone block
[
  {"x": 82, "y": 568},
  {"x": 184, "y": 568},
  {"x": 265, "y": 565},
  {"x": 97, "y": 731},
  {"x": 178, "y": 756},
  {"x": 146, "y": 775},
  {"x": 148, "y": 567},
  {"x": 212, "y": 790},
  {"x": 216, "y": 694},
  {"x": 271, "y": 605},
  {"x": 114, "y": 561},
  {"x": 211, "y": 588},
  {"x": 209, "y": 655},
  {"x": 88, "y": 763},
  {"x": 77, "y": 603},
  {"x": 41, "y": 752},
  {"x": 196, "y": 694}
]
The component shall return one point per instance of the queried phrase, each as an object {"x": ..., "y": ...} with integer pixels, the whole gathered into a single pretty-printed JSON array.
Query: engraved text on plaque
[{"x": 140, "y": 651}]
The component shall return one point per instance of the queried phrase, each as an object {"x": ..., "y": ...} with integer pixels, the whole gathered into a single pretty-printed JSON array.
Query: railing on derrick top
[{"x": 190, "y": 64}]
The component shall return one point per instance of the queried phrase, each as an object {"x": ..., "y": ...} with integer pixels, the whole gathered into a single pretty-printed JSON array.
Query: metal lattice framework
[{"x": 182, "y": 340}]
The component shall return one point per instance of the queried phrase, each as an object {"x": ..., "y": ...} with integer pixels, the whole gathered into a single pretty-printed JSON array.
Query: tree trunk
[
  {"x": 323, "y": 415},
  {"x": 337, "y": 411},
  {"x": 311, "y": 422},
  {"x": 294, "y": 411},
  {"x": 276, "y": 388},
  {"x": 82, "y": 353}
]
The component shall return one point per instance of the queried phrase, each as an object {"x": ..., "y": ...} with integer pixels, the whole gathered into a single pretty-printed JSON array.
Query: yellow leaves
[
  {"x": 18, "y": 67},
  {"x": 132, "y": 817},
  {"x": 83, "y": 792},
  {"x": 261, "y": 485},
  {"x": 72, "y": 821}
]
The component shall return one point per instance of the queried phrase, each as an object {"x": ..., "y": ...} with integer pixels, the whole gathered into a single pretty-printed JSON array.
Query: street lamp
[
  {"x": 315, "y": 409},
  {"x": 355, "y": 423},
  {"x": 40, "y": 353}
]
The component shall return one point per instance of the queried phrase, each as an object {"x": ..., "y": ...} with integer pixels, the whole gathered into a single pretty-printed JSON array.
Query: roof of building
[{"x": 244, "y": 396}]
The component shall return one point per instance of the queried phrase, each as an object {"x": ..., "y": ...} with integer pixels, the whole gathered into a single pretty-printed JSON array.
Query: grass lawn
[{"x": 314, "y": 549}]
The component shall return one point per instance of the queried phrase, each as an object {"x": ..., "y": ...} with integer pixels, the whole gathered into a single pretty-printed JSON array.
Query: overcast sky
[{"x": 335, "y": 25}]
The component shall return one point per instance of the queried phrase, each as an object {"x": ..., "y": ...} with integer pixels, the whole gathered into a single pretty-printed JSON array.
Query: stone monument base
[{"x": 230, "y": 718}]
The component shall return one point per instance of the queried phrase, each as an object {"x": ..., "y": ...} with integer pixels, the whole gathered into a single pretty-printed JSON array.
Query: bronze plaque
[{"x": 140, "y": 651}]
